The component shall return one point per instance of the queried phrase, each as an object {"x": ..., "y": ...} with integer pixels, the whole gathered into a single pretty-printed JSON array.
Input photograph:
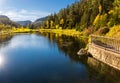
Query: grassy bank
[
  {"x": 68, "y": 32},
  {"x": 24, "y": 30}
]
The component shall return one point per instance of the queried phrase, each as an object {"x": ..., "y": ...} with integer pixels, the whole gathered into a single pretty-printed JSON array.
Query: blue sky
[{"x": 31, "y": 9}]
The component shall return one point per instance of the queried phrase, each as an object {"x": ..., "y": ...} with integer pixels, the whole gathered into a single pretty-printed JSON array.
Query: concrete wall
[{"x": 104, "y": 55}]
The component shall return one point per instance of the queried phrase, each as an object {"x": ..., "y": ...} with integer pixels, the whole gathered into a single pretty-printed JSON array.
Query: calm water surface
[{"x": 50, "y": 58}]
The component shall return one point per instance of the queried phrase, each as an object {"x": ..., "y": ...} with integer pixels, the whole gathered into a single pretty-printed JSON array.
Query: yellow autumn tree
[
  {"x": 61, "y": 23},
  {"x": 57, "y": 26},
  {"x": 96, "y": 19},
  {"x": 51, "y": 24},
  {"x": 100, "y": 21},
  {"x": 47, "y": 24},
  {"x": 100, "y": 8}
]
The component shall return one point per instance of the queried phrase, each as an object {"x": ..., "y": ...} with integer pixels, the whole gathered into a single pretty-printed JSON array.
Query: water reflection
[
  {"x": 102, "y": 72},
  {"x": 4, "y": 41},
  {"x": 68, "y": 44},
  {"x": 98, "y": 72},
  {"x": 50, "y": 58},
  {"x": 2, "y": 60},
  {"x": 35, "y": 59}
]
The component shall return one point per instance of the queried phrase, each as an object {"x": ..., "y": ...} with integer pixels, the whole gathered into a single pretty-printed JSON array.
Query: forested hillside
[
  {"x": 101, "y": 17},
  {"x": 86, "y": 15}
]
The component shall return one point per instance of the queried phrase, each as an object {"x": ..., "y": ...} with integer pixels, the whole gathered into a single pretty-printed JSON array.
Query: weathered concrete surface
[{"x": 104, "y": 55}]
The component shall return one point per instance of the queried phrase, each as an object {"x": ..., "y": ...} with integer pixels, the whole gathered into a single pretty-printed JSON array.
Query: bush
[
  {"x": 88, "y": 31},
  {"x": 102, "y": 31}
]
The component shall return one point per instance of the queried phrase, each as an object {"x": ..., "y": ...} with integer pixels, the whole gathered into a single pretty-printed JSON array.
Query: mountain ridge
[
  {"x": 6, "y": 21},
  {"x": 26, "y": 23}
]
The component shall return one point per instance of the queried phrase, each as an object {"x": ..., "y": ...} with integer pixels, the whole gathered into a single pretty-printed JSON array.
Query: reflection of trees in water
[
  {"x": 102, "y": 72},
  {"x": 68, "y": 44},
  {"x": 4, "y": 39},
  {"x": 96, "y": 69}
]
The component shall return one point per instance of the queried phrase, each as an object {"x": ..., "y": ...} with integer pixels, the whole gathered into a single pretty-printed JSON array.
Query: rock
[
  {"x": 82, "y": 52},
  {"x": 65, "y": 44}
]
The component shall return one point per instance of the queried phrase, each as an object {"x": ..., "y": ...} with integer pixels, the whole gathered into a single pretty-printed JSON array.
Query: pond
[{"x": 50, "y": 58}]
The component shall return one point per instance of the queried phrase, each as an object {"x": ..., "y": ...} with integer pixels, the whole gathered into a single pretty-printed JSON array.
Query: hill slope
[
  {"x": 39, "y": 22},
  {"x": 26, "y": 23},
  {"x": 6, "y": 21},
  {"x": 87, "y": 16}
]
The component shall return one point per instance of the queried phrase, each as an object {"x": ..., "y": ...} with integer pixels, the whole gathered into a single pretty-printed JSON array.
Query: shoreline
[{"x": 68, "y": 32}]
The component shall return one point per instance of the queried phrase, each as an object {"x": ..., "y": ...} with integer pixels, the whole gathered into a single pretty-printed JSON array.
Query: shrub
[{"x": 102, "y": 31}]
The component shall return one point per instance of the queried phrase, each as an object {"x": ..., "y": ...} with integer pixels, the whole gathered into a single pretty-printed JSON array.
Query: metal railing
[{"x": 112, "y": 44}]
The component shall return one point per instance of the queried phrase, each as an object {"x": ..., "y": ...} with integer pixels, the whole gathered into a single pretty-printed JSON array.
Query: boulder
[{"x": 82, "y": 52}]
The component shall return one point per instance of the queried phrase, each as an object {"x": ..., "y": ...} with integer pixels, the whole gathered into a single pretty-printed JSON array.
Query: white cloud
[
  {"x": 19, "y": 15},
  {"x": 23, "y": 11}
]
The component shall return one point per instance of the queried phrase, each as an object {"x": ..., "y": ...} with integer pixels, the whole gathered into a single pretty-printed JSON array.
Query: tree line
[{"x": 84, "y": 14}]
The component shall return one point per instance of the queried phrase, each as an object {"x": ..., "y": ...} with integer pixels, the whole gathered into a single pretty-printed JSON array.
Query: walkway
[{"x": 111, "y": 44}]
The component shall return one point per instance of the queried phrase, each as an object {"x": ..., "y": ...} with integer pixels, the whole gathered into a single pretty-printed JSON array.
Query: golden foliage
[
  {"x": 51, "y": 23},
  {"x": 96, "y": 19},
  {"x": 114, "y": 31},
  {"x": 69, "y": 32},
  {"x": 62, "y": 21},
  {"x": 47, "y": 23},
  {"x": 100, "y": 8},
  {"x": 111, "y": 12},
  {"x": 100, "y": 20},
  {"x": 57, "y": 26}
]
